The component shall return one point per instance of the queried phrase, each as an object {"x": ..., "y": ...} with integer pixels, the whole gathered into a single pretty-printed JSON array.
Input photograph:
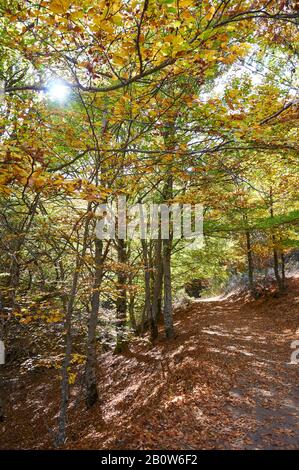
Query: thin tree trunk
[
  {"x": 167, "y": 310},
  {"x": 132, "y": 315},
  {"x": 91, "y": 354},
  {"x": 2, "y": 339},
  {"x": 167, "y": 247},
  {"x": 65, "y": 386},
  {"x": 170, "y": 142},
  {"x": 157, "y": 289},
  {"x": 276, "y": 265},
  {"x": 275, "y": 250},
  {"x": 283, "y": 273},
  {"x": 61, "y": 436},
  {"x": 250, "y": 263},
  {"x": 121, "y": 303},
  {"x": 147, "y": 285}
]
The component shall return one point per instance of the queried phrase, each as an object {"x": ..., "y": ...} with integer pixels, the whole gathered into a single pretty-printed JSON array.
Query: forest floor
[{"x": 224, "y": 382}]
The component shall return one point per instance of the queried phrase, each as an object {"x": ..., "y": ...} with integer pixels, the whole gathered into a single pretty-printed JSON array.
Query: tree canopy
[{"x": 167, "y": 101}]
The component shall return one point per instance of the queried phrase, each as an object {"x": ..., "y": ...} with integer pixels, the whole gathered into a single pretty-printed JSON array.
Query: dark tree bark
[
  {"x": 132, "y": 318},
  {"x": 62, "y": 422},
  {"x": 167, "y": 247},
  {"x": 275, "y": 250},
  {"x": 283, "y": 273},
  {"x": 65, "y": 387},
  {"x": 146, "y": 314},
  {"x": 91, "y": 355},
  {"x": 121, "y": 303},
  {"x": 157, "y": 289},
  {"x": 276, "y": 265},
  {"x": 170, "y": 142},
  {"x": 250, "y": 263},
  {"x": 167, "y": 310}
]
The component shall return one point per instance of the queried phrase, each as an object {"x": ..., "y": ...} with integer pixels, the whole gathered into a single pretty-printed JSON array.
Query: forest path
[
  {"x": 265, "y": 394},
  {"x": 224, "y": 382}
]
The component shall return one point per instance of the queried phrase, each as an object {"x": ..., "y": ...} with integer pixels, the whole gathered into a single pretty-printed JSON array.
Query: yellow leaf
[
  {"x": 210, "y": 13},
  {"x": 76, "y": 15},
  {"x": 72, "y": 378},
  {"x": 107, "y": 27},
  {"x": 120, "y": 60},
  {"x": 186, "y": 3},
  {"x": 59, "y": 6},
  {"x": 117, "y": 19}
]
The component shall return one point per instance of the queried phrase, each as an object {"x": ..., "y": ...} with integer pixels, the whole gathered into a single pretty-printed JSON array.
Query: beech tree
[{"x": 158, "y": 101}]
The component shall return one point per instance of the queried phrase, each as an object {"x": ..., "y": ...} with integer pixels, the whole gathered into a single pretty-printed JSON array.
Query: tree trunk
[
  {"x": 91, "y": 355},
  {"x": 275, "y": 250},
  {"x": 147, "y": 286},
  {"x": 121, "y": 303},
  {"x": 283, "y": 273},
  {"x": 167, "y": 247},
  {"x": 132, "y": 315},
  {"x": 276, "y": 265},
  {"x": 157, "y": 289},
  {"x": 167, "y": 310},
  {"x": 250, "y": 263},
  {"x": 61, "y": 436},
  {"x": 62, "y": 420}
]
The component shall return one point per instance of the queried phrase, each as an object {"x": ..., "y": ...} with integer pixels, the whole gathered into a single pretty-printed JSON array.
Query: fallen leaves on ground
[{"x": 224, "y": 382}]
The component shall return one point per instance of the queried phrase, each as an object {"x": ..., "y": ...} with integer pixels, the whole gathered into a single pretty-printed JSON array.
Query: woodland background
[{"x": 167, "y": 101}]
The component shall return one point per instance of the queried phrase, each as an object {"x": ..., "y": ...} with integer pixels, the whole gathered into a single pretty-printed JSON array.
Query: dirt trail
[
  {"x": 224, "y": 382},
  {"x": 265, "y": 396}
]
